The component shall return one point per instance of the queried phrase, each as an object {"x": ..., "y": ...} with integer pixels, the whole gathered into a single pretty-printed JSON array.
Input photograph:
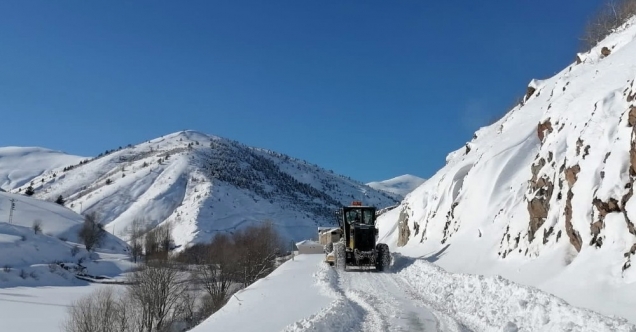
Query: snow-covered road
[
  {"x": 414, "y": 295},
  {"x": 389, "y": 303},
  {"x": 307, "y": 295}
]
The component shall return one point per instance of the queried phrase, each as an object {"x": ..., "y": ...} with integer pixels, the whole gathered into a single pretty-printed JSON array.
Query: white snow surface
[
  {"x": 19, "y": 165},
  {"x": 399, "y": 185},
  {"x": 472, "y": 217},
  {"x": 414, "y": 295},
  {"x": 25, "y": 256},
  {"x": 41, "y": 309},
  {"x": 203, "y": 184}
]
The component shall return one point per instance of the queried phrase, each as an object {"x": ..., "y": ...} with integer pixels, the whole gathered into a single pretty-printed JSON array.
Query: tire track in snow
[
  {"x": 372, "y": 301},
  {"x": 396, "y": 306},
  {"x": 342, "y": 314}
]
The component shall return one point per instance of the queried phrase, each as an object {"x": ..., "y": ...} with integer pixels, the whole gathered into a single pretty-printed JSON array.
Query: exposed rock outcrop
[
  {"x": 539, "y": 205},
  {"x": 631, "y": 120},
  {"x": 403, "y": 228},
  {"x": 542, "y": 128},
  {"x": 450, "y": 217},
  {"x": 571, "y": 174},
  {"x": 575, "y": 237},
  {"x": 605, "y": 51}
]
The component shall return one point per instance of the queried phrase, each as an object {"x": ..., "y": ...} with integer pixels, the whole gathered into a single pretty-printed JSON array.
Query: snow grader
[{"x": 354, "y": 243}]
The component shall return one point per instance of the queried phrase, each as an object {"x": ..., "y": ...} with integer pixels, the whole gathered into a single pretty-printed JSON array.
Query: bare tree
[
  {"x": 216, "y": 271},
  {"x": 92, "y": 232},
  {"x": 611, "y": 16},
  {"x": 135, "y": 232},
  {"x": 256, "y": 248},
  {"x": 101, "y": 311},
  {"x": 165, "y": 237},
  {"x": 37, "y": 226},
  {"x": 158, "y": 242},
  {"x": 151, "y": 244},
  {"x": 158, "y": 290}
]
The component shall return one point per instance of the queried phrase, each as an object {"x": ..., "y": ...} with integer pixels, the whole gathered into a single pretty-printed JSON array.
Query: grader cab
[{"x": 354, "y": 243}]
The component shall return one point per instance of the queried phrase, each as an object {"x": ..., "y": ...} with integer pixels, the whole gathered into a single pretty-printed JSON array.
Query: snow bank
[
  {"x": 496, "y": 304},
  {"x": 290, "y": 293}
]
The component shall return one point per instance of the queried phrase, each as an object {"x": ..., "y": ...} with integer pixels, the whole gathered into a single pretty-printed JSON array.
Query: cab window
[{"x": 367, "y": 217}]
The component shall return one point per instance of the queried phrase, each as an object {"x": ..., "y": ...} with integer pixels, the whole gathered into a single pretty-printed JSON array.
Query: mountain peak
[
  {"x": 202, "y": 184},
  {"x": 399, "y": 186}
]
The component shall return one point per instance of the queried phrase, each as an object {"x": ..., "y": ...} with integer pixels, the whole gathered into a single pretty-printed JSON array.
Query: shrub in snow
[
  {"x": 614, "y": 14},
  {"x": 37, "y": 226},
  {"x": 23, "y": 274},
  {"x": 75, "y": 250},
  {"x": 29, "y": 191},
  {"x": 92, "y": 232},
  {"x": 7, "y": 268},
  {"x": 155, "y": 299}
]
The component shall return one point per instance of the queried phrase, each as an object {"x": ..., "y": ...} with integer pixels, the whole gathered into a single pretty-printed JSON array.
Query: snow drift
[{"x": 544, "y": 196}]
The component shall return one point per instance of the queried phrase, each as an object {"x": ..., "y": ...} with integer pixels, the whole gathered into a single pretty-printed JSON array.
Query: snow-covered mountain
[
  {"x": 399, "y": 186},
  {"x": 18, "y": 165},
  {"x": 544, "y": 196},
  {"x": 203, "y": 184}
]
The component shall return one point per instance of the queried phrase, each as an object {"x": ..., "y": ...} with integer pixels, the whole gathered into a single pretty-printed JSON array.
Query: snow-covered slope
[
  {"x": 56, "y": 220},
  {"x": 203, "y": 184},
  {"x": 18, "y": 165},
  {"x": 544, "y": 196},
  {"x": 400, "y": 186},
  {"x": 25, "y": 255}
]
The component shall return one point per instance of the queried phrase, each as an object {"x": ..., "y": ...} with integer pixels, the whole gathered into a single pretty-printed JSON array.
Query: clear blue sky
[{"x": 369, "y": 89}]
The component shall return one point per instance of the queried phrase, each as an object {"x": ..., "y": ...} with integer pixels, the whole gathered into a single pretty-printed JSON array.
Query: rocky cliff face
[{"x": 548, "y": 189}]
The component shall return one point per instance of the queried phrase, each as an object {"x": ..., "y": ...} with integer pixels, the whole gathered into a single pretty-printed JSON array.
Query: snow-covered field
[
  {"x": 39, "y": 309},
  {"x": 35, "y": 289}
]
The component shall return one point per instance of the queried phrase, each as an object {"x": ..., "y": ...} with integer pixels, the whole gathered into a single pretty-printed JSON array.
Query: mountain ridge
[
  {"x": 203, "y": 184},
  {"x": 399, "y": 186},
  {"x": 18, "y": 165}
]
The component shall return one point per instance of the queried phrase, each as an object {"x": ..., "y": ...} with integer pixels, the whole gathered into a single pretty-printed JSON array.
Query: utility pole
[
  {"x": 292, "y": 249},
  {"x": 11, "y": 210}
]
